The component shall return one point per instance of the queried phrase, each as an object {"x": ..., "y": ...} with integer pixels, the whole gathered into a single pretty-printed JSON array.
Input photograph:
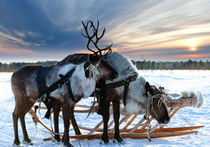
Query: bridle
[
  {"x": 94, "y": 69},
  {"x": 159, "y": 92}
]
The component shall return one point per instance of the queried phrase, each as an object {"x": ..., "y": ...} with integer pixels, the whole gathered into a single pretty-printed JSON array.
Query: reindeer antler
[{"x": 95, "y": 37}]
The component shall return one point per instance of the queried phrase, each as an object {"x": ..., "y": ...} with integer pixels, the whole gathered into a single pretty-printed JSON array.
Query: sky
[{"x": 40, "y": 30}]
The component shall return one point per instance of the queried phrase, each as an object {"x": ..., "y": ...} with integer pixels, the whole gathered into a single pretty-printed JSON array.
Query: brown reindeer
[
  {"x": 140, "y": 94},
  {"x": 82, "y": 82}
]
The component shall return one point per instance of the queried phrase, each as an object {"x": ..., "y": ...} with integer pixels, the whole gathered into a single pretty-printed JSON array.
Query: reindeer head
[
  {"x": 96, "y": 61},
  {"x": 156, "y": 105}
]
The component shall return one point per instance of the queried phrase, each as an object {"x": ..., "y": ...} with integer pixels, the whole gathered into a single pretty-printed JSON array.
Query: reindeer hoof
[
  {"x": 104, "y": 139},
  {"x": 57, "y": 138},
  {"x": 27, "y": 140},
  {"x": 68, "y": 145},
  {"x": 105, "y": 142},
  {"x": 119, "y": 140},
  {"x": 16, "y": 142}
]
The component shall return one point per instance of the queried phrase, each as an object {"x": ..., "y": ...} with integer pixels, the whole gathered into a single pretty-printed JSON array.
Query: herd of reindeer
[{"x": 107, "y": 75}]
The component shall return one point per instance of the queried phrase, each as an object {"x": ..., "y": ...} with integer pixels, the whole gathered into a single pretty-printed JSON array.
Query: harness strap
[
  {"x": 101, "y": 96},
  {"x": 59, "y": 83},
  {"x": 41, "y": 84},
  {"x": 68, "y": 87},
  {"x": 124, "y": 82},
  {"x": 125, "y": 93},
  {"x": 45, "y": 91},
  {"x": 101, "y": 89},
  {"x": 43, "y": 96}
]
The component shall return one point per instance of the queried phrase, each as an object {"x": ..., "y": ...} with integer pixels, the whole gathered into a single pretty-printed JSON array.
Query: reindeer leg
[
  {"x": 15, "y": 125},
  {"x": 105, "y": 115},
  {"x": 74, "y": 123},
  {"x": 116, "y": 112},
  {"x": 25, "y": 134},
  {"x": 66, "y": 117},
  {"x": 27, "y": 106},
  {"x": 56, "y": 122}
]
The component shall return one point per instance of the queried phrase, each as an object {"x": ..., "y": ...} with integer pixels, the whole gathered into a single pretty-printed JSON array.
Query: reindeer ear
[
  {"x": 88, "y": 73},
  {"x": 147, "y": 86}
]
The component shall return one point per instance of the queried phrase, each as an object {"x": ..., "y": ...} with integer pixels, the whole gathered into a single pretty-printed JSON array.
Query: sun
[
  {"x": 192, "y": 44},
  {"x": 193, "y": 49}
]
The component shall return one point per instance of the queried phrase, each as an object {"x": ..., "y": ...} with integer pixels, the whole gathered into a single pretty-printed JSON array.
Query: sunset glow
[
  {"x": 149, "y": 30},
  {"x": 192, "y": 44}
]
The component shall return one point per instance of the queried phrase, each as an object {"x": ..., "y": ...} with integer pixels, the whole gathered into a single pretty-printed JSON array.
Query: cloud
[
  {"x": 19, "y": 51},
  {"x": 29, "y": 25},
  {"x": 133, "y": 26},
  {"x": 168, "y": 53}
]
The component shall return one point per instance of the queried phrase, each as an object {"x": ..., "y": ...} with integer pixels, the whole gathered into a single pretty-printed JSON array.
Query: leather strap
[{"x": 45, "y": 91}]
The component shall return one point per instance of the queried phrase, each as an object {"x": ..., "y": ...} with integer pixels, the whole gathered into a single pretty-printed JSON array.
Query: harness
[
  {"x": 125, "y": 82},
  {"x": 44, "y": 90},
  {"x": 102, "y": 87}
]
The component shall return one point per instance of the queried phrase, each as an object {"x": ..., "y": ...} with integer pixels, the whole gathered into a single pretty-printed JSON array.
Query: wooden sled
[{"x": 140, "y": 130}]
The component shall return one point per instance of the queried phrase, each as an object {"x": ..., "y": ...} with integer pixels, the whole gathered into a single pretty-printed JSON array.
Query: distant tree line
[
  {"x": 11, "y": 67},
  {"x": 190, "y": 64}
]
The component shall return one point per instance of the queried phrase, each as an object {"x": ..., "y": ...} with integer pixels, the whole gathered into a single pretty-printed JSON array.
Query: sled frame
[{"x": 140, "y": 130}]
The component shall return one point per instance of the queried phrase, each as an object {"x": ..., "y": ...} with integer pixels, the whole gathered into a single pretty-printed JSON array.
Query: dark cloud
[
  {"x": 27, "y": 21},
  {"x": 164, "y": 29}
]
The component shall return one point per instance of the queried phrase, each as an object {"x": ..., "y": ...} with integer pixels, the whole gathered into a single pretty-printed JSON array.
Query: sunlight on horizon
[{"x": 192, "y": 44}]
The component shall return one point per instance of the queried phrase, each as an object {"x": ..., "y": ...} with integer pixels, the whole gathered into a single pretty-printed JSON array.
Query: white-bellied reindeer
[
  {"x": 65, "y": 83},
  {"x": 140, "y": 96}
]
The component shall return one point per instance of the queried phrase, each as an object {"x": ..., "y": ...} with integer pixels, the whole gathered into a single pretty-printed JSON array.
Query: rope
[
  {"x": 148, "y": 135},
  {"x": 149, "y": 103},
  {"x": 92, "y": 107},
  {"x": 149, "y": 106},
  {"x": 51, "y": 124}
]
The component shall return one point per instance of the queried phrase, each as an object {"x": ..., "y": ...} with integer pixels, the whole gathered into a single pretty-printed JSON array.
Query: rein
[
  {"x": 149, "y": 101},
  {"x": 149, "y": 107}
]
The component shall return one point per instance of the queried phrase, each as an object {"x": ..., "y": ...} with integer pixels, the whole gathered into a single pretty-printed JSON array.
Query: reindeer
[
  {"x": 142, "y": 98},
  {"x": 80, "y": 77}
]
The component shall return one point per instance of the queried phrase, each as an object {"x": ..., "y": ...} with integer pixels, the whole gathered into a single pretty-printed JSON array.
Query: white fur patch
[
  {"x": 81, "y": 86},
  {"x": 136, "y": 91},
  {"x": 132, "y": 107},
  {"x": 196, "y": 95},
  {"x": 122, "y": 65}
]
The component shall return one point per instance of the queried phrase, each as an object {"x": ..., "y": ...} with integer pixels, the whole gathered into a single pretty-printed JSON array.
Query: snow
[{"x": 172, "y": 80}]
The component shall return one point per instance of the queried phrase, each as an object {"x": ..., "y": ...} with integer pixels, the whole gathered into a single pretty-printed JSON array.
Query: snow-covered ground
[{"x": 173, "y": 80}]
